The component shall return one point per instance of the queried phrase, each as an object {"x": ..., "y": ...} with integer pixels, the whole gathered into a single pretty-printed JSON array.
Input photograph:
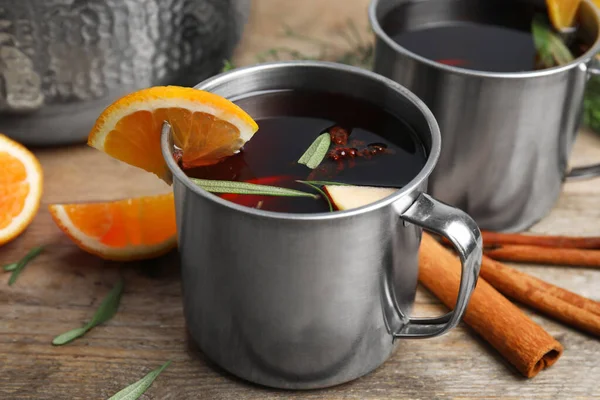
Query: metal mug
[
  {"x": 303, "y": 301},
  {"x": 63, "y": 61},
  {"x": 506, "y": 136}
]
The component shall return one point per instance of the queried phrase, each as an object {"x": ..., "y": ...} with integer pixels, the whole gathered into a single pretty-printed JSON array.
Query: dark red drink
[
  {"x": 483, "y": 35},
  {"x": 369, "y": 146}
]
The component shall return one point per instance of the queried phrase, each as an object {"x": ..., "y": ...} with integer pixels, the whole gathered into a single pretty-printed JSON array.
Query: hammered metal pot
[{"x": 63, "y": 61}]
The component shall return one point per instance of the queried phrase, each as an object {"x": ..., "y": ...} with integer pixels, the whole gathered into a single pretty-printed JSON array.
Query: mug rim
[
  {"x": 582, "y": 59},
  {"x": 241, "y": 73}
]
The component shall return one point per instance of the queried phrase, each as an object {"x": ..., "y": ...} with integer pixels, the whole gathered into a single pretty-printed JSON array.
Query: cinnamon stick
[
  {"x": 502, "y": 324},
  {"x": 499, "y": 239},
  {"x": 558, "y": 303},
  {"x": 546, "y": 255}
]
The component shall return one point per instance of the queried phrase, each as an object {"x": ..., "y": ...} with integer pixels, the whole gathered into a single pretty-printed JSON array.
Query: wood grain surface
[{"x": 62, "y": 288}]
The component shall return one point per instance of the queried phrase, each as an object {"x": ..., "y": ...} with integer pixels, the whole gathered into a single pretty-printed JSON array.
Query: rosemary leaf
[
  {"x": 551, "y": 49},
  {"x": 109, "y": 306},
  {"x": 321, "y": 191},
  {"x": 105, "y": 311},
  {"x": 69, "y": 336},
  {"x": 16, "y": 271},
  {"x": 10, "y": 267},
  {"x": 324, "y": 183},
  {"x": 540, "y": 40},
  {"x": 560, "y": 51},
  {"x": 135, "y": 390},
  {"x": 316, "y": 152},
  {"x": 215, "y": 186}
]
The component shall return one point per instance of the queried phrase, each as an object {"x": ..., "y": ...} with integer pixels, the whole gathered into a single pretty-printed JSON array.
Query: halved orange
[
  {"x": 20, "y": 188},
  {"x": 123, "y": 230},
  {"x": 206, "y": 127},
  {"x": 562, "y": 12}
]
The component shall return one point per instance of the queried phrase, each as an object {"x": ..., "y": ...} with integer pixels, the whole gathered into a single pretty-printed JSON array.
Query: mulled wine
[
  {"x": 491, "y": 35},
  {"x": 473, "y": 46},
  {"x": 369, "y": 146}
]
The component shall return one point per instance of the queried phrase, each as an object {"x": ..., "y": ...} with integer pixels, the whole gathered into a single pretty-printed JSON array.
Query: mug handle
[
  {"x": 589, "y": 171},
  {"x": 458, "y": 227}
]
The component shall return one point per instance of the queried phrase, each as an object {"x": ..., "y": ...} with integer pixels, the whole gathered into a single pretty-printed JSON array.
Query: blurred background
[
  {"x": 336, "y": 30},
  {"x": 63, "y": 62}
]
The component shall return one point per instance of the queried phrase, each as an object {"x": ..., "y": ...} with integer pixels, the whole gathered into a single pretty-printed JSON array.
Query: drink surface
[
  {"x": 488, "y": 37},
  {"x": 380, "y": 149},
  {"x": 473, "y": 46}
]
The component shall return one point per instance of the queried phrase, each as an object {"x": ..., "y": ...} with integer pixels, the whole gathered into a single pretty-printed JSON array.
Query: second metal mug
[
  {"x": 506, "y": 136},
  {"x": 313, "y": 300}
]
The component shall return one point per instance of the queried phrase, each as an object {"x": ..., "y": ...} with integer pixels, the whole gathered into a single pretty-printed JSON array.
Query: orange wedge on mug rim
[{"x": 206, "y": 127}]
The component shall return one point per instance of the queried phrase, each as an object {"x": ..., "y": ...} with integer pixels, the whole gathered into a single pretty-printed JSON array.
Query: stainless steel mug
[
  {"x": 63, "y": 61},
  {"x": 313, "y": 300},
  {"x": 506, "y": 136}
]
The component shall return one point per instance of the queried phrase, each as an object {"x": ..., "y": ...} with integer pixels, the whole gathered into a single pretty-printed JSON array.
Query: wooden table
[{"x": 62, "y": 288}]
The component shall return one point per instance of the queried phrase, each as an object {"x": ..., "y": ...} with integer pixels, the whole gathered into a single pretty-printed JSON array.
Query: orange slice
[
  {"x": 348, "y": 197},
  {"x": 20, "y": 188},
  {"x": 562, "y": 12},
  {"x": 206, "y": 127},
  {"x": 124, "y": 230}
]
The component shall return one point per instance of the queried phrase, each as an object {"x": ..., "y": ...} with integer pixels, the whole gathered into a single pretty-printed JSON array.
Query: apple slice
[{"x": 347, "y": 197}]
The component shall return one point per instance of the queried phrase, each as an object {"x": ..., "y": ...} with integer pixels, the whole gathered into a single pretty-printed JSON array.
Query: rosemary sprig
[
  {"x": 108, "y": 308},
  {"x": 232, "y": 187},
  {"x": 135, "y": 390},
  {"x": 316, "y": 152},
  {"x": 17, "y": 268},
  {"x": 326, "y": 183},
  {"x": 321, "y": 191}
]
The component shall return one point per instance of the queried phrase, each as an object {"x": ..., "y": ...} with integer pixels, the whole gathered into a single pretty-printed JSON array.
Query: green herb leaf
[
  {"x": 69, "y": 336},
  {"x": 107, "y": 309},
  {"x": 16, "y": 271},
  {"x": 135, "y": 390},
  {"x": 321, "y": 191},
  {"x": 232, "y": 187},
  {"x": 109, "y": 306},
  {"x": 317, "y": 151},
  {"x": 227, "y": 66},
  {"x": 560, "y": 51},
  {"x": 551, "y": 49},
  {"x": 10, "y": 267},
  {"x": 326, "y": 183}
]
